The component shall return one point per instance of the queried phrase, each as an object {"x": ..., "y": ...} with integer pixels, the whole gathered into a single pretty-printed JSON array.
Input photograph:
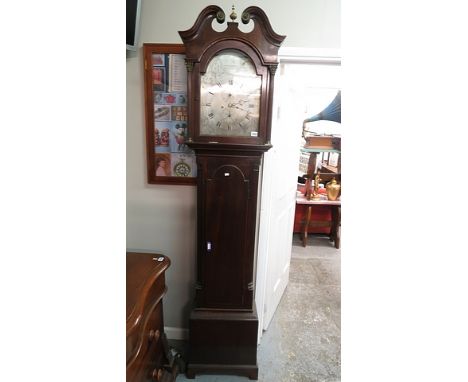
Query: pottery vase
[{"x": 333, "y": 189}]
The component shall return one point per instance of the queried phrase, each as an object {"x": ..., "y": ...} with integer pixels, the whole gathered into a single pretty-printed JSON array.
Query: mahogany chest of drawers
[{"x": 145, "y": 349}]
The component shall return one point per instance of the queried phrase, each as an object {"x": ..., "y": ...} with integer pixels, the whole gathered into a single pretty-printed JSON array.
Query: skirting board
[{"x": 176, "y": 333}]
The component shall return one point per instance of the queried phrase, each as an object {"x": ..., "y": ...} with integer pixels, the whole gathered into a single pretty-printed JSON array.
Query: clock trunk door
[{"x": 229, "y": 230}]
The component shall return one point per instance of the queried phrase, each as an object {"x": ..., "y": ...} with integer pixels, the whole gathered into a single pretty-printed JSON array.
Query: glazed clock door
[
  {"x": 230, "y": 96},
  {"x": 229, "y": 232}
]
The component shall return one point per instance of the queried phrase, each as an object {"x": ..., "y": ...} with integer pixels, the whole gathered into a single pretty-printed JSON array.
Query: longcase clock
[{"x": 230, "y": 90}]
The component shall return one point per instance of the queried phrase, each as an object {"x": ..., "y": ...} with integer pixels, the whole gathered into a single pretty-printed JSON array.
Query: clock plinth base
[
  {"x": 248, "y": 371},
  {"x": 223, "y": 342}
]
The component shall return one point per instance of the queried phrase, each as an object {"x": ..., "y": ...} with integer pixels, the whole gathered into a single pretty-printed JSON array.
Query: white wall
[{"x": 162, "y": 218}]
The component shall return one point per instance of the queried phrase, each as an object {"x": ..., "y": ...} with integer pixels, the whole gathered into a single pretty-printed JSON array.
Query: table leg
[
  {"x": 338, "y": 227},
  {"x": 306, "y": 226},
  {"x": 335, "y": 230},
  {"x": 333, "y": 224}
]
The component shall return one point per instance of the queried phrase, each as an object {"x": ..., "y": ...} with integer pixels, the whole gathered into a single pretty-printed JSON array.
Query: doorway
[{"x": 303, "y": 87}]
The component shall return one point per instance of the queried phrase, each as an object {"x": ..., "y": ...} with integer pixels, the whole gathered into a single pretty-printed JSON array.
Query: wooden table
[{"x": 336, "y": 217}]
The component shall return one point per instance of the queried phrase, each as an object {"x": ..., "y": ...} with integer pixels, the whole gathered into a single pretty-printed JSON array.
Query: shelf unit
[{"x": 312, "y": 164}]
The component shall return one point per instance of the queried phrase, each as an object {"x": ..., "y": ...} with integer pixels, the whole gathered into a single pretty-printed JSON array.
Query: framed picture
[
  {"x": 169, "y": 159},
  {"x": 158, "y": 59},
  {"x": 333, "y": 159},
  {"x": 159, "y": 78}
]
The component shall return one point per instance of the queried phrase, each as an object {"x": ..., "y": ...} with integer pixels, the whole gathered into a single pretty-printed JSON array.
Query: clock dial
[{"x": 230, "y": 96}]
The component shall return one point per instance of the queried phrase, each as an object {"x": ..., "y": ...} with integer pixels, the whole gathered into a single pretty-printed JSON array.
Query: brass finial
[{"x": 233, "y": 14}]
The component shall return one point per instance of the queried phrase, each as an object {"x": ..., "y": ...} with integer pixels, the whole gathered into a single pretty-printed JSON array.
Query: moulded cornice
[{"x": 257, "y": 14}]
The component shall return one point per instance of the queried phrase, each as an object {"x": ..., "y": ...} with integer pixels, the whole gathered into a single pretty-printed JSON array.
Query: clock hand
[
  {"x": 234, "y": 104},
  {"x": 240, "y": 108},
  {"x": 226, "y": 117}
]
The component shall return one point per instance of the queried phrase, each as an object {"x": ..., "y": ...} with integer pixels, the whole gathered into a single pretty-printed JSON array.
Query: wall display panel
[{"x": 169, "y": 159}]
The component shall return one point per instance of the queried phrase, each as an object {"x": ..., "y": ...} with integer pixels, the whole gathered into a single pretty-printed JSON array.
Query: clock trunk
[{"x": 227, "y": 192}]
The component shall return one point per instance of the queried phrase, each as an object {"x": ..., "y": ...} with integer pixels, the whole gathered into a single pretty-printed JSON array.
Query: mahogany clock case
[{"x": 223, "y": 324}]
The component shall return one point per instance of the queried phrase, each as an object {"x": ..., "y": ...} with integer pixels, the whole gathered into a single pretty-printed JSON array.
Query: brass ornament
[
  {"x": 317, "y": 180},
  {"x": 273, "y": 68},
  {"x": 189, "y": 65},
  {"x": 220, "y": 17},
  {"x": 333, "y": 189},
  {"x": 233, "y": 14},
  {"x": 245, "y": 17}
]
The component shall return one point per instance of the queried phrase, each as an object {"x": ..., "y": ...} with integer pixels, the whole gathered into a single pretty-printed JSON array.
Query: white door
[{"x": 278, "y": 200}]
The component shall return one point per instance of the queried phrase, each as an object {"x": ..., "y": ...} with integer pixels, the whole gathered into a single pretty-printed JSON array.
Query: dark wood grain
[
  {"x": 224, "y": 323},
  {"x": 261, "y": 45},
  {"x": 145, "y": 327}
]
